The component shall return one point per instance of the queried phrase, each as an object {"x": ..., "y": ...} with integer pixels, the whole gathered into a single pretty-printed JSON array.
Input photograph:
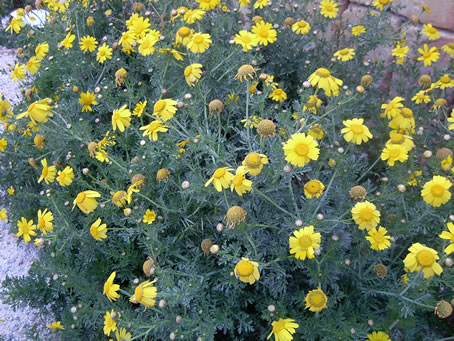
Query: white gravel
[{"x": 15, "y": 258}]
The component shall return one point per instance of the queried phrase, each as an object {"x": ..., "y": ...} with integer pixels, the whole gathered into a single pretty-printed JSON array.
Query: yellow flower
[
  {"x": 244, "y": 72},
  {"x": 247, "y": 271},
  {"x": 48, "y": 173},
  {"x": 3, "y": 144},
  {"x": 151, "y": 130},
  {"x": 380, "y": 4},
  {"x": 378, "y": 336},
  {"x": 33, "y": 65},
  {"x": 253, "y": 163},
  {"x": 304, "y": 242},
  {"x": 264, "y": 33},
  {"x": 239, "y": 182},
  {"x": 149, "y": 217},
  {"x": 162, "y": 175},
  {"x": 183, "y": 36},
  {"x": 41, "y": 50},
  {"x": 88, "y": 43},
  {"x": 423, "y": 258},
  {"x": 147, "y": 43},
  {"x": 378, "y": 238},
  {"x": 18, "y": 72},
  {"x": 393, "y": 108},
  {"x": 449, "y": 236},
  {"x": 449, "y": 49},
  {"x": 451, "y": 120},
  {"x": 394, "y": 152},
  {"x": 199, "y": 42},
  {"x": 301, "y": 27},
  {"x": 144, "y": 294},
  {"x": 26, "y": 229},
  {"x": 398, "y": 138},
  {"x": 86, "y": 201},
  {"x": 355, "y": 131},
  {"x": 329, "y": 9},
  {"x": 421, "y": 97},
  {"x": 246, "y": 39},
  {"x": 123, "y": 335},
  {"x": 140, "y": 108},
  {"x": 15, "y": 25},
  {"x": 11, "y": 191},
  {"x": 191, "y": 16},
  {"x": 55, "y": 326},
  {"x": 119, "y": 198},
  {"x": 165, "y": 109},
  {"x": 313, "y": 189},
  {"x": 221, "y": 178},
  {"x": 445, "y": 82},
  {"x": 316, "y": 300},
  {"x": 278, "y": 95},
  {"x": 429, "y": 56},
  {"x": 87, "y": 99},
  {"x": 209, "y": 4},
  {"x": 110, "y": 325},
  {"x": 67, "y": 43},
  {"x": 176, "y": 54},
  {"x": 4, "y": 215},
  {"x": 138, "y": 25},
  {"x": 430, "y": 32},
  {"x": 104, "y": 52},
  {"x": 301, "y": 149},
  {"x": 283, "y": 329},
  {"x": 436, "y": 192},
  {"x": 261, "y": 3},
  {"x": 365, "y": 215},
  {"x": 358, "y": 30},
  {"x": 323, "y": 80},
  {"x": 403, "y": 120},
  {"x": 345, "y": 55},
  {"x": 110, "y": 289},
  {"x": 99, "y": 232},
  {"x": 45, "y": 219},
  {"x": 121, "y": 118},
  {"x": 38, "y": 111},
  {"x": 192, "y": 73}
]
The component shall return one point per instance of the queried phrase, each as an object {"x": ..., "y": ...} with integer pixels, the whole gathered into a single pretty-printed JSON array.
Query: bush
[{"x": 180, "y": 185}]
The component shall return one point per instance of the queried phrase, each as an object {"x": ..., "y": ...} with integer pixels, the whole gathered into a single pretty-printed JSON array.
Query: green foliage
[{"x": 200, "y": 291}]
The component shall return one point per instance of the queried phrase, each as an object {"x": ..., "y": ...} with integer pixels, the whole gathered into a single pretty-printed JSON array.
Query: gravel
[{"x": 15, "y": 258}]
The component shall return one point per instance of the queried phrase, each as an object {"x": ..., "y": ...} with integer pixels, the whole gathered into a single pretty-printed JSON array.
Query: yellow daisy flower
[
  {"x": 355, "y": 131},
  {"x": 449, "y": 49},
  {"x": 86, "y": 201},
  {"x": 378, "y": 238},
  {"x": 247, "y": 271},
  {"x": 365, "y": 215},
  {"x": 98, "y": 230},
  {"x": 110, "y": 289},
  {"x": 304, "y": 242},
  {"x": 301, "y": 27},
  {"x": 246, "y": 39},
  {"x": 345, "y": 55},
  {"x": 380, "y": 4},
  {"x": 45, "y": 219},
  {"x": 121, "y": 118},
  {"x": 378, "y": 336},
  {"x": 26, "y": 229},
  {"x": 436, "y": 191},
  {"x": 316, "y": 300},
  {"x": 240, "y": 184},
  {"x": 151, "y": 130},
  {"x": 329, "y": 8},
  {"x": 313, "y": 189},
  {"x": 429, "y": 56},
  {"x": 301, "y": 149},
  {"x": 165, "y": 109},
  {"x": 358, "y": 30},
  {"x": 209, "y": 4},
  {"x": 322, "y": 79},
  {"x": 394, "y": 152},
  {"x": 48, "y": 173},
  {"x": 199, "y": 42},
  {"x": 42, "y": 50},
  {"x": 253, "y": 163},
  {"x": 149, "y": 217},
  {"x": 221, "y": 178},
  {"x": 449, "y": 236},
  {"x": 283, "y": 329},
  {"x": 264, "y": 33},
  {"x": 192, "y": 73},
  {"x": 104, "y": 52},
  {"x": 423, "y": 258},
  {"x": 88, "y": 43},
  {"x": 278, "y": 95},
  {"x": 87, "y": 99},
  {"x": 145, "y": 293},
  {"x": 430, "y": 32}
]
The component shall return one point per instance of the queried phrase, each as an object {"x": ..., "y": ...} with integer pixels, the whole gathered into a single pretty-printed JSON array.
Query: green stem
[
  {"x": 156, "y": 204},
  {"x": 247, "y": 117},
  {"x": 264, "y": 196},
  {"x": 368, "y": 170}
]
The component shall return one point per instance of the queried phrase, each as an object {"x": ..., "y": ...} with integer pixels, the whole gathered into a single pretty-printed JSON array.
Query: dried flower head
[
  {"x": 234, "y": 216},
  {"x": 443, "y": 309},
  {"x": 206, "y": 245},
  {"x": 358, "y": 193},
  {"x": 381, "y": 270},
  {"x": 425, "y": 81},
  {"x": 366, "y": 80},
  {"x": 245, "y": 71},
  {"x": 443, "y": 154},
  {"x": 266, "y": 128},
  {"x": 216, "y": 105},
  {"x": 149, "y": 267}
]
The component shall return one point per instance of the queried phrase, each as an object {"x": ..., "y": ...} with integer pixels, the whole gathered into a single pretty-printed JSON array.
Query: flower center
[
  {"x": 45, "y": 171},
  {"x": 238, "y": 180},
  {"x": 302, "y": 149},
  {"x": 302, "y": 24},
  {"x": 406, "y": 112},
  {"x": 184, "y": 32},
  {"x": 219, "y": 173},
  {"x": 437, "y": 190},
  {"x": 425, "y": 258},
  {"x": 431, "y": 30},
  {"x": 41, "y": 222},
  {"x": 80, "y": 198},
  {"x": 245, "y": 268},
  {"x": 117, "y": 116},
  {"x": 323, "y": 73},
  {"x": 138, "y": 293},
  {"x": 397, "y": 138},
  {"x": 427, "y": 55},
  {"x": 198, "y": 40},
  {"x": 394, "y": 153},
  {"x": 343, "y": 52},
  {"x": 366, "y": 214},
  {"x": 153, "y": 126},
  {"x": 328, "y": 7},
  {"x": 160, "y": 105},
  {"x": 187, "y": 71},
  {"x": 379, "y": 238},
  {"x": 357, "y": 129},
  {"x": 383, "y": 2},
  {"x": 305, "y": 241},
  {"x": 313, "y": 187},
  {"x": 445, "y": 79},
  {"x": 263, "y": 33},
  {"x": 253, "y": 160},
  {"x": 316, "y": 299},
  {"x": 278, "y": 326}
]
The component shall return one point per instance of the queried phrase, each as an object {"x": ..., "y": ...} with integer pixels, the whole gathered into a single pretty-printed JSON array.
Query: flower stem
[{"x": 247, "y": 117}]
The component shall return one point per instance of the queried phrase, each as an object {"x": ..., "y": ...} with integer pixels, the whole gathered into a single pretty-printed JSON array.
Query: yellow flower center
[
  {"x": 316, "y": 299},
  {"x": 344, "y": 52},
  {"x": 383, "y": 2},
  {"x": 41, "y": 222},
  {"x": 253, "y": 160},
  {"x": 379, "y": 238},
  {"x": 154, "y": 126},
  {"x": 198, "y": 40},
  {"x": 397, "y": 138},
  {"x": 238, "y": 180},
  {"x": 219, "y": 173},
  {"x": 366, "y": 214},
  {"x": 138, "y": 293},
  {"x": 323, "y": 73},
  {"x": 328, "y": 8},
  {"x": 145, "y": 44},
  {"x": 278, "y": 326},
  {"x": 80, "y": 198},
  {"x": 160, "y": 105},
  {"x": 45, "y": 171},
  {"x": 263, "y": 32},
  {"x": 302, "y": 149},
  {"x": 305, "y": 241},
  {"x": 427, "y": 55},
  {"x": 188, "y": 71},
  {"x": 302, "y": 24},
  {"x": 394, "y": 153},
  {"x": 117, "y": 116},
  {"x": 406, "y": 112},
  {"x": 445, "y": 79},
  {"x": 357, "y": 129},
  {"x": 313, "y": 187},
  {"x": 451, "y": 45},
  {"x": 431, "y": 30},
  {"x": 425, "y": 258},
  {"x": 245, "y": 268},
  {"x": 184, "y": 32},
  {"x": 437, "y": 190}
]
